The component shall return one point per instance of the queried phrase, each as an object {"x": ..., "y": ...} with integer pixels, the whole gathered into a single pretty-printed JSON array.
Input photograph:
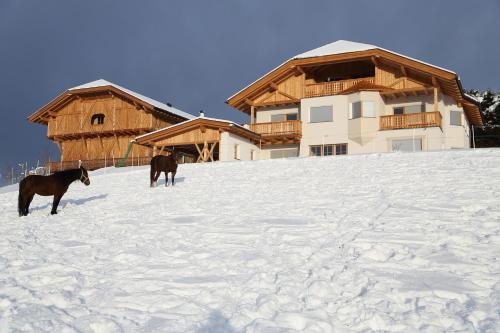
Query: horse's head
[{"x": 84, "y": 176}]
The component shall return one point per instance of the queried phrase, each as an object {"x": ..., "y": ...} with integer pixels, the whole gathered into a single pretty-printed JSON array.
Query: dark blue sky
[{"x": 195, "y": 54}]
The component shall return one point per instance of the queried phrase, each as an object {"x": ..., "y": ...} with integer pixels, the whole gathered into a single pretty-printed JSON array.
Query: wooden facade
[
  {"x": 334, "y": 74},
  {"x": 96, "y": 125},
  {"x": 198, "y": 138}
]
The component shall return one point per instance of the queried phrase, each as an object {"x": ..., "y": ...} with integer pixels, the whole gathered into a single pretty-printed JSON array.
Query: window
[
  {"x": 321, "y": 114},
  {"x": 355, "y": 110},
  {"x": 365, "y": 109},
  {"x": 407, "y": 145},
  {"x": 284, "y": 117},
  {"x": 237, "y": 153},
  {"x": 399, "y": 110},
  {"x": 456, "y": 118},
  {"x": 97, "y": 119},
  {"x": 341, "y": 149},
  {"x": 328, "y": 150},
  {"x": 283, "y": 153},
  {"x": 415, "y": 108},
  {"x": 369, "y": 109},
  {"x": 315, "y": 150},
  {"x": 253, "y": 155}
]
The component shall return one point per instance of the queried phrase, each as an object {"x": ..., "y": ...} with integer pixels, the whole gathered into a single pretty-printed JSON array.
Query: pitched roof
[
  {"x": 198, "y": 121},
  {"x": 99, "y": 86},
  {"x": 345, "y": 46},
  {"x": 155, "y": 103},
  {"x": 338, "y": 47}
]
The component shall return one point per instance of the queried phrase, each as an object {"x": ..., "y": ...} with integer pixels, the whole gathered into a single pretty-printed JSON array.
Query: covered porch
[{"x": 201, "y": 140}]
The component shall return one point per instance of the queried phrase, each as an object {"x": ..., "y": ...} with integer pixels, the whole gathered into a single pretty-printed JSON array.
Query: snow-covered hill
[{"x": 391, "y": 242}]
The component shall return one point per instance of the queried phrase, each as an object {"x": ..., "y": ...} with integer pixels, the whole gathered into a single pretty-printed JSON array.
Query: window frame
[
  {"x": 321, "y": 106},
  {"x": 362, "y": 109},
  {"x": 334, "y": 149},
  {"x": 405, "y": 107},
  {"x": 459, "y": 117},
  {"x": 97, "y": 119}
]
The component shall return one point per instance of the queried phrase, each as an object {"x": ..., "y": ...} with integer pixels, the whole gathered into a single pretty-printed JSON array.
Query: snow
[
  {"x": 405, "y": 242},
  {"x": 155, "y": 103},
  {"x": 345, "y": 46},
  {"x": 338, "y": 47}
]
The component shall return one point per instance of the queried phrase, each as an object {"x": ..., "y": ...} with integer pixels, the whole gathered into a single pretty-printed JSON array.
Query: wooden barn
[{"x": 96, "y": 122}]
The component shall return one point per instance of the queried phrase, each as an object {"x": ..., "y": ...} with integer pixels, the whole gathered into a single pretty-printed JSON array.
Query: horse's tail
[
  {"x": 152, "y": 171},
  {"x": 20, "y": 208}
]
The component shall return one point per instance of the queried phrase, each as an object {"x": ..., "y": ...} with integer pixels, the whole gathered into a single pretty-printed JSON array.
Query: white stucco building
[{"x": 352, "y": 98}]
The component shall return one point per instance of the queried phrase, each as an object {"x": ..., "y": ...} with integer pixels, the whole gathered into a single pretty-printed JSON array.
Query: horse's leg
[
  {"x": 27, "y": 204},
  {"x": 166, "y": 178},
  {"x": 152, "y": 177},
  {"x": 173, "y": 178},
  {"x": 157, "y": 175},
  {"x": 57, "y": 198}
]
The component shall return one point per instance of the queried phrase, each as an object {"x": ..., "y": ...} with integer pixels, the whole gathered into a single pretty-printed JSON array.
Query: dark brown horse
[
  {"x": 161, "y": 164},
  {"x": 56, "y": 184}
]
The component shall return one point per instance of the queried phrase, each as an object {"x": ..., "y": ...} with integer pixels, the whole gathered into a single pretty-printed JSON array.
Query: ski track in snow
[{"x": 381, "y": 242}]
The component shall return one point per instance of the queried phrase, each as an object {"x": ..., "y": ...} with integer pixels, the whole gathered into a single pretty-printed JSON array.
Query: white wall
[
  {"x": 227, "y": 144},
  {"x": 363, "y": 135},
  {"x": 263, "y": 115}
]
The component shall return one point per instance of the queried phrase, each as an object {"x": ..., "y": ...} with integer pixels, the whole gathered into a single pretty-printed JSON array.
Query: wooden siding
[
  {"x": 196, "y": 135},
  {"x": 413, "y": 120},
  {"x": 332, "y": 88},
  {"x": 291, "y": 130},
  {"x": 74, "y": 119},
  {"x": 91, "y": 148}
]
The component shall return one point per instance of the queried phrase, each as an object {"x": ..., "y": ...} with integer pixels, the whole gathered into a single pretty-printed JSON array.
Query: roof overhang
[
  {"x": 49, "y": 110},
  {"x": 446, "y": 80},
  {"x": 149, "y": 139}
]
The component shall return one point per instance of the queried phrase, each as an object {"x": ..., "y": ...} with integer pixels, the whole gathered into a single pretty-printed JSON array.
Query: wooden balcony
[
  {"x": 333, "y": 87},
  {"x": 279, "y": 132},
  {"x": 412, "y": 120}
]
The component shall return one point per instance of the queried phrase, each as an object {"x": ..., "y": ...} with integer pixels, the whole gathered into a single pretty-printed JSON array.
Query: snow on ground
[{"x": 382, "y": 242}]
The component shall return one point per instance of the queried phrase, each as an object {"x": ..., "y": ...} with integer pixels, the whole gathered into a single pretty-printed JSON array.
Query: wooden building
[
  {"x": 96, "y": 122},
  {"x": 204, "y": 140},
  {"x": 352, "y": 98}
]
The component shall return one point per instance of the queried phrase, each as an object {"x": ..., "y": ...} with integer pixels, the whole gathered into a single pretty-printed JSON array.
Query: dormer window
[{"x": 97, "y": 119}]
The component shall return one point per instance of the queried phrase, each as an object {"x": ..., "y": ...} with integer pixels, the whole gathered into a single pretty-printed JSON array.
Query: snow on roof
[
  {"x": 339, "y": 47},
  {"x": 190, "y": 120},
  {"x": 155, "y": 103},
  {"x": 345, "y": 46}
]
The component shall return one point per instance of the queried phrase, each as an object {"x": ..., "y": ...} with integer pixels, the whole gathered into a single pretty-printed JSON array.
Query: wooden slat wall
[
  {"x": 75, "y": 118},
  {"x": 190, "y": 137}
]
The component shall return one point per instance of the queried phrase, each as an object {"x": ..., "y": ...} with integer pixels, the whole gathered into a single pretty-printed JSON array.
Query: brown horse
[
  {"x": 161, "y": 164},
  {"x": 56, "y": 184}
]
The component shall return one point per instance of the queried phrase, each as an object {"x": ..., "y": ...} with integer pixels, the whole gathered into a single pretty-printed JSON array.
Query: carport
[{"x": 203, "y": 140}]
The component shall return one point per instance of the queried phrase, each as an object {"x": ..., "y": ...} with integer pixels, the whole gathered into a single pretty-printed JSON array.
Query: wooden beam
[
  {"x": 403, "y": 70},
  {"x": 252, "y": 114},
  {"x": 436, "y": 98}
]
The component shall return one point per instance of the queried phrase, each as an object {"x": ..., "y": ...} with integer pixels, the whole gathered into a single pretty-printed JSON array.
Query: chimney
[{"x": 202, "y": 114}]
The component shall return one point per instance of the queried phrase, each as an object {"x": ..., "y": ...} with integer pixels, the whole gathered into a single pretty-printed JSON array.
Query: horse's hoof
[{"x": 53, "y": 213}]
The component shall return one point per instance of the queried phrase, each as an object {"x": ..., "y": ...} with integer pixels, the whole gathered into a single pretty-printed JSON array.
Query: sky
[{"x": 195, "y": 54}]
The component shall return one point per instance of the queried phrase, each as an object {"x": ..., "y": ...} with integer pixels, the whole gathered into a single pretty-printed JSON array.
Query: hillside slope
[{"x": 396, "y": 242}]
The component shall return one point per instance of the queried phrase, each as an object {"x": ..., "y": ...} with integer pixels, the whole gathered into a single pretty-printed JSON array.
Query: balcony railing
[
  {"x": 332, "y": 88},
  {"x": 412, "y": 120},
  {"x": 278, "y": 128}
]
